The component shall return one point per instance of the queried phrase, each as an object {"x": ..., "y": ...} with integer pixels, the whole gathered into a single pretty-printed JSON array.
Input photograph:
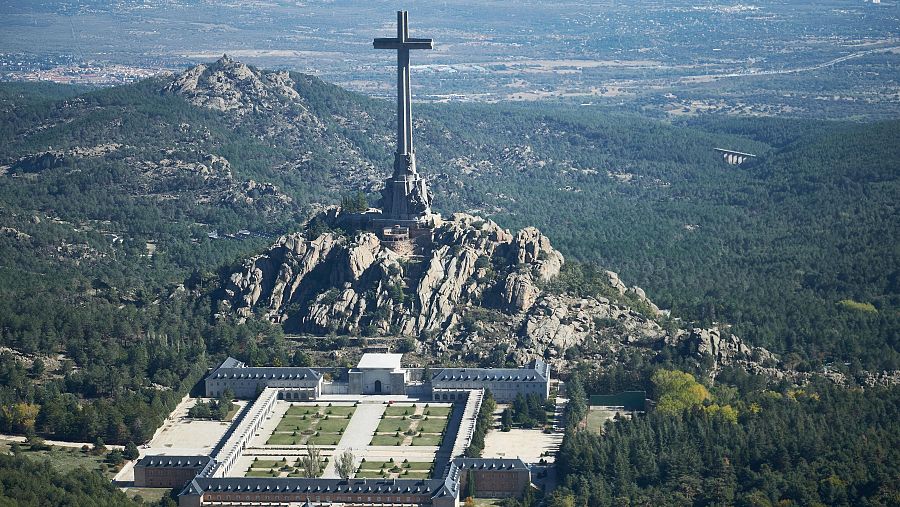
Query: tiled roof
[
  {"x": 231, "y": 362},
  {"x": 490, "y": 464},
  {"x": 487, "y": 374},
  {"x": 202, "y": 485},
  {"x": 173, "y": 461},
  {"x": 233, "y": 369}
]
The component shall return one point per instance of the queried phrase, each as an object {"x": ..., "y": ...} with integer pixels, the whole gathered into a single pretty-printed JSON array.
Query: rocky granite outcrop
[
  {"x": 352, "y": 284},
  {"x": 469, "y": 291},
  {"x": 228, "y": 85}
]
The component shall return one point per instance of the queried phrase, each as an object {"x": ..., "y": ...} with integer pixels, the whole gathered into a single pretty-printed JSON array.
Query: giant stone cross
[{"x": 405, "y": 199}]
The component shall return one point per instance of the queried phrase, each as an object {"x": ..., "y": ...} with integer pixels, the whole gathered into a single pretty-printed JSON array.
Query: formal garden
[
  {"x": 312, "y": 425},
  {"x": 392, "y": 469},
  {"x": 303, "y": 466},
  {"x": 415, "y": 424}
]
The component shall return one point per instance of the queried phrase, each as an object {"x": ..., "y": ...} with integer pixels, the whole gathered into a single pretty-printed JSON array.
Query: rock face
[
  {"x": 228, "y": 85},
  {"x": 469, "y": 291},
  {"x": 352, "y": 284}
]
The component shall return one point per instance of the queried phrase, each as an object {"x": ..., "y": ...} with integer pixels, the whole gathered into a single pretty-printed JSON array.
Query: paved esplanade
[
  {"x": 356, "y": 436},
  {"x": 405, "y": 199}
]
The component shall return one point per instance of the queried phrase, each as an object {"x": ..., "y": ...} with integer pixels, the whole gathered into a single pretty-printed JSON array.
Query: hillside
[
  {"x": 710, "y": 241},
  {"x": 123, "y": 208}
]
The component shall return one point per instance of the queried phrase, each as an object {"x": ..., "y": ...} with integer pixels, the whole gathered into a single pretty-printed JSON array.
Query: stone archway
[{"x": 377, "y": 387}]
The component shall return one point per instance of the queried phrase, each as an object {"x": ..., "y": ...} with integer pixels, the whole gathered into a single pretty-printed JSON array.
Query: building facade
[
  {"x": 504, "y": 383},
  {"x": 319, "y": 492},
  {"x": 379, "y": 374},
  {"x": 493, "y": 478},
  {"x": 169, "y": 471}
]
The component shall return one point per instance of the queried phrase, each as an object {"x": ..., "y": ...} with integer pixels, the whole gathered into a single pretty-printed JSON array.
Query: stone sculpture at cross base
[{"x": 405, "y": 196}]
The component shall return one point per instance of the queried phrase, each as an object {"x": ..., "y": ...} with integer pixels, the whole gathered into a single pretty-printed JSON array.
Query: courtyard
[{"x": 388, "y": 439}]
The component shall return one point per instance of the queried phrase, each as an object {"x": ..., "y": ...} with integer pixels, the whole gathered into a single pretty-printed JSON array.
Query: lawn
[
  {"x": 150, "y": 495},
  {"x": 426, "y": 466},
  {"x": 267, "y": 463},
  {"x": 374, "y": 469},
  {"x": 432, "y": 425},
  {"x": 254, "y": 472},
  {"x": 332, "y": 425},
  {"x": 427, "y": 440},
  {"x": 299, "y": 473},
  {"x": 376, "y": 465},
  {"x": 283, "y": 439},
  {"x": 339, "y": 411},
  {"x": 369, "y": 474},
  {"x": 392, "y": 425},
  {"x": 299, "y": 411},
  {"x": 438, "y": 411},
  {"x": 293, "y": 423},
  {"x": 386, "y": 440},
  {"x": 324, "y": 439},
  {"x": 414, "y": 474},
  {"x": 399, "y": 411}
]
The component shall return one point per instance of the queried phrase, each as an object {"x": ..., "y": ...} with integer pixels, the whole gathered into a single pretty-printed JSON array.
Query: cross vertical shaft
[
  {"x": 404, "y": 113},
  {"x": 404, "y": 161}
]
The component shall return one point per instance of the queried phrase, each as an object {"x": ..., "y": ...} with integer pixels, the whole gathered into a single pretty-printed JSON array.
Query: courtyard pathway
[{"x": 357, "y": 436}]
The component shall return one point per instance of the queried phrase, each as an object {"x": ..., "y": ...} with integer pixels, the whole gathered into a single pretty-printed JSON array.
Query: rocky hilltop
[
  {"x": 472, "y": 291},
  {"x": 342, "y": 283},
  {"x": 270, "y": 103}
]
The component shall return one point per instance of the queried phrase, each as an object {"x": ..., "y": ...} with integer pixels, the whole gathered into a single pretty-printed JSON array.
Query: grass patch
[
  {"x": 417, "y": 466},
  {"x": 375, "y": 465},
  {"x": 300, "y": 411},
  {"x": 597, "y": 418},
  {"x": 149, "y": 495},
  {"x": 427, "y": 440},
  {"x": 283, "y": 439},
  {"x": 395, "y": 411},
  {"x": 299, "y": 473},
  {"x": 438, "y": 411},
  {"x": 267, "y": 463},
  {"x": 340, "y": 411},
  {"x": 67, "y": 459},
  {"x": 332, "y": 425},
  {"x": 386, "y": 440},
  {"x": 433, "y": 425},
  {"x": 849, "y": 304},
  {"x": 324, "y": 439},
  {"x": 260, "y": 473},
  {"x": 292, "y": 424},
  {"x": 414, "y": 474},
  {"x": 375, "y": 469},
  {"x": 392, "y": 425},
  {"x": 230, "y": 415},
  {"x": 369, "y": 474}
]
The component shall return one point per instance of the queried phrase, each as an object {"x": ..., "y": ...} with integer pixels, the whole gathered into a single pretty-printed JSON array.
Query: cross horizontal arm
[{"x": 394, "y": 43}]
